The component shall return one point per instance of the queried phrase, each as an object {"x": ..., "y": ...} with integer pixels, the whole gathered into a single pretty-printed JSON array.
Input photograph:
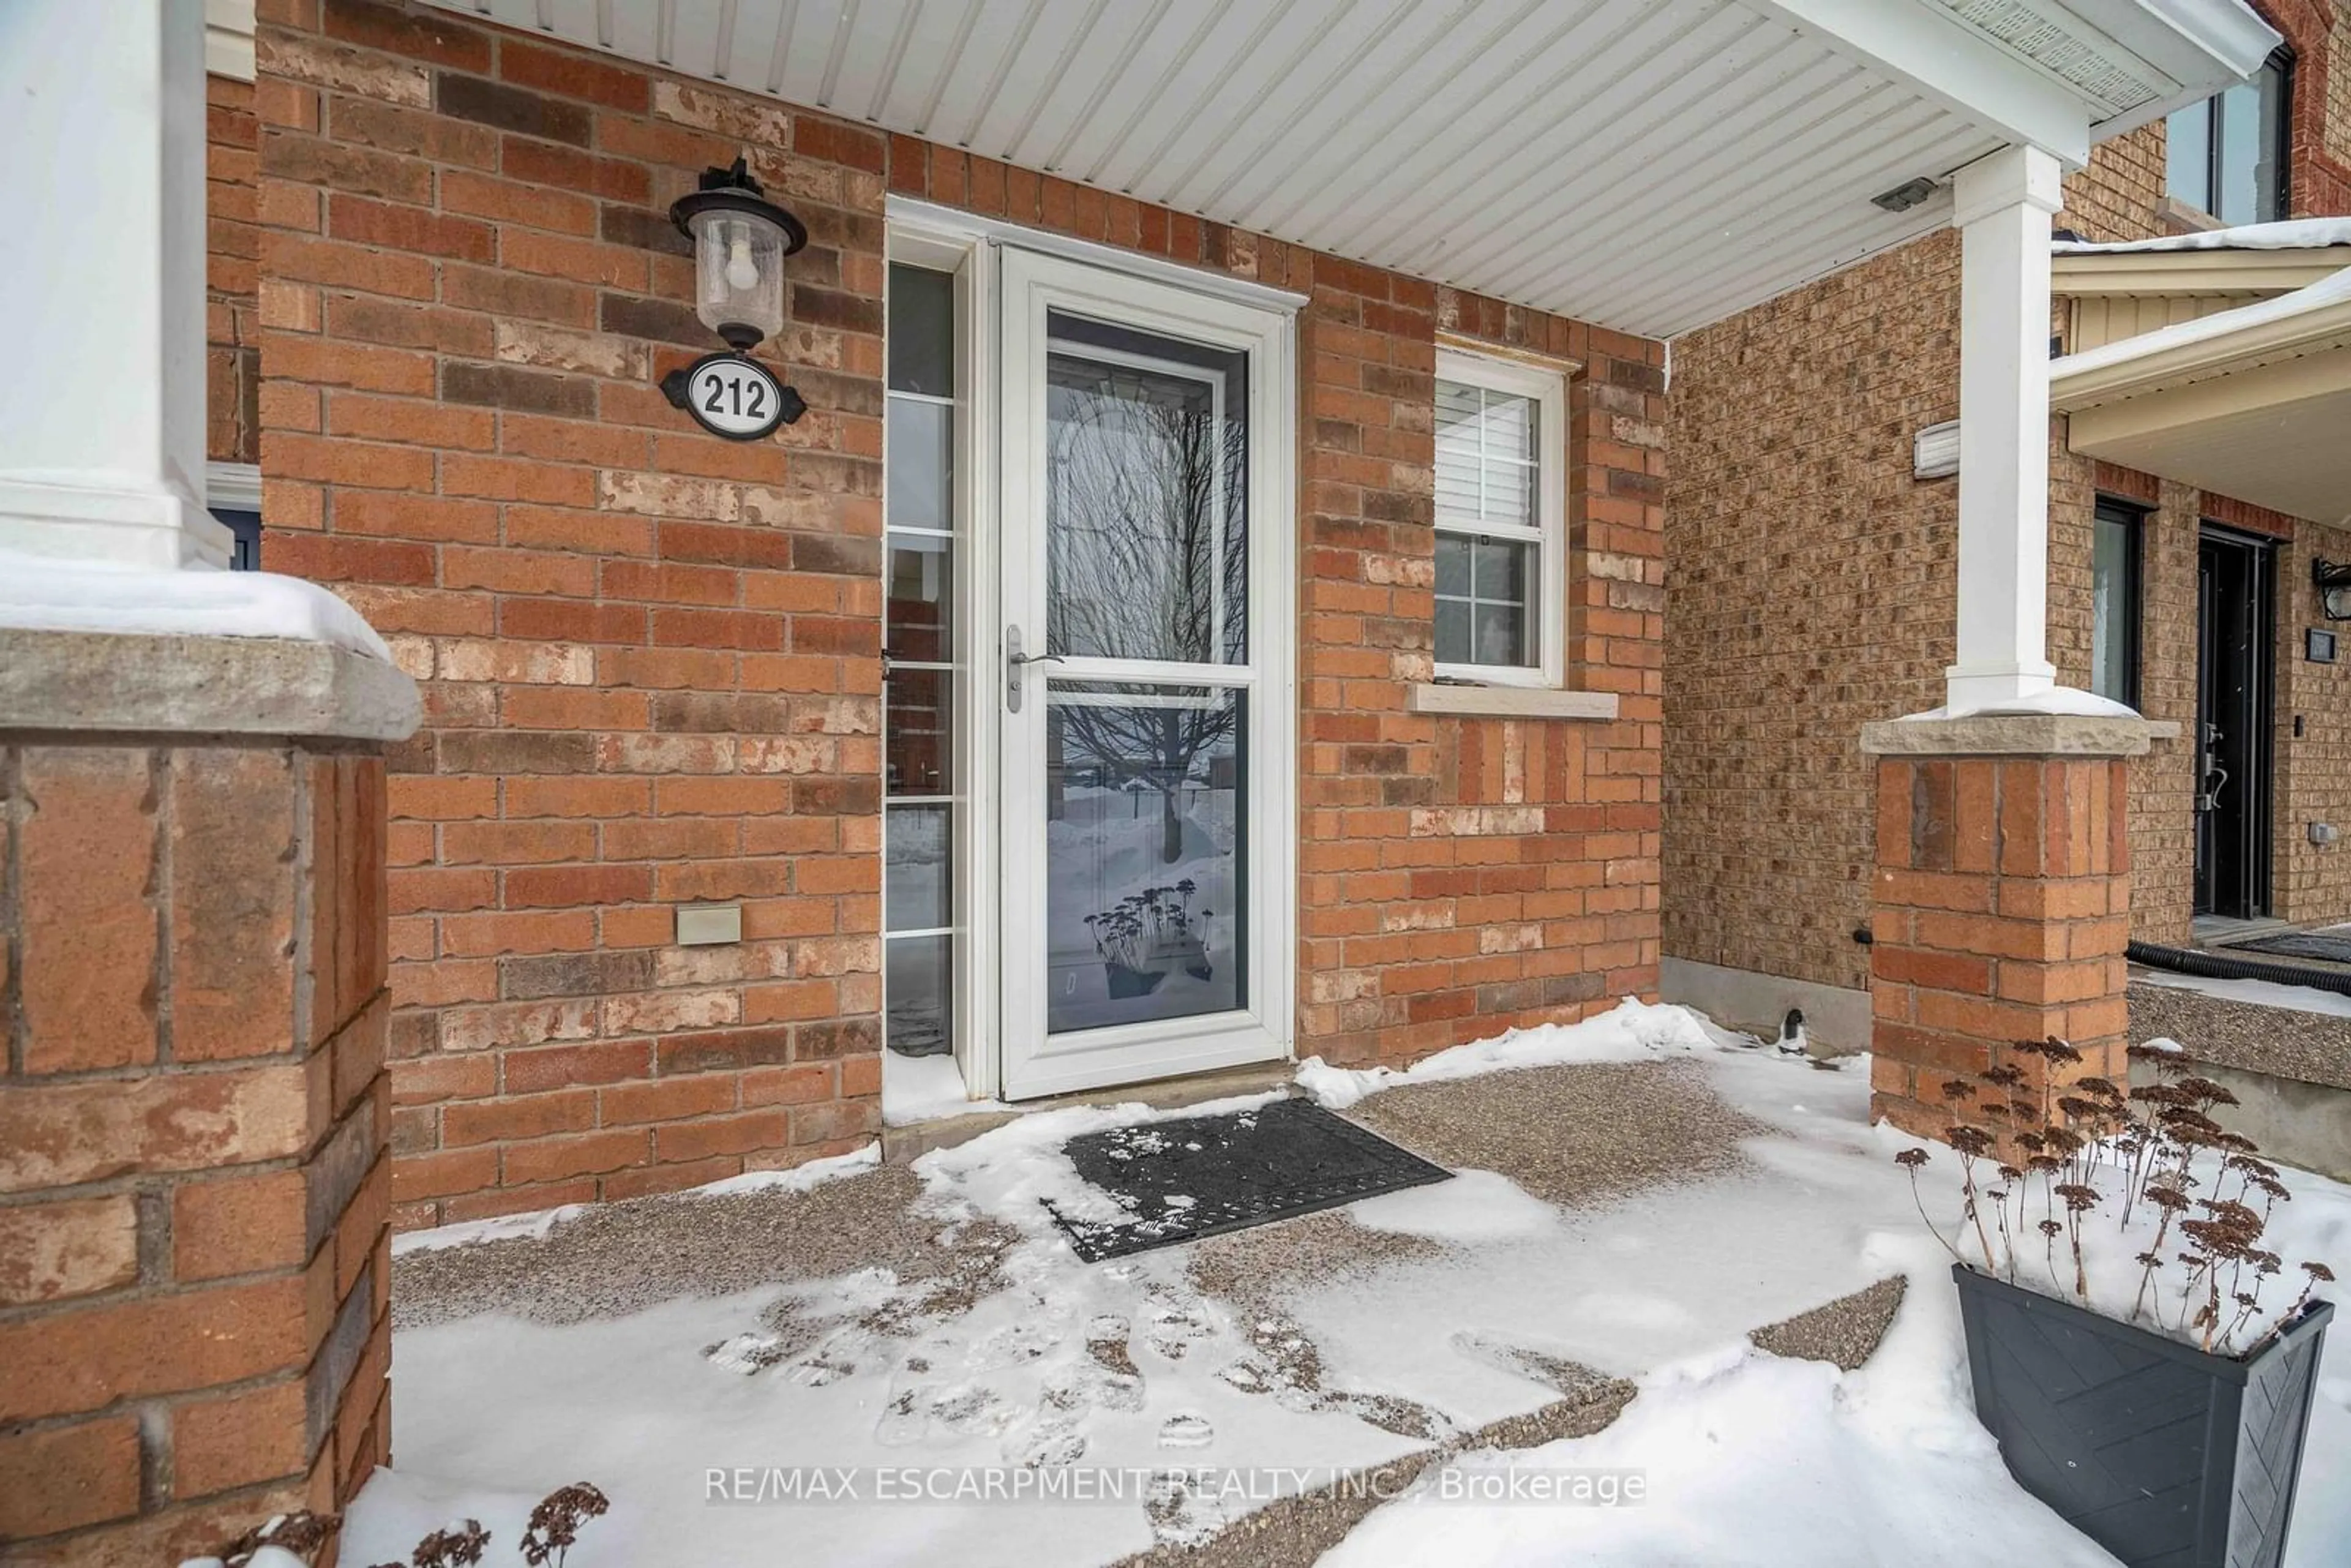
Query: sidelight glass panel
[
  {"x": 917, "y": 1014},
  {"x": 1146, "y": 853},
  {"x": 919, "y": 605},
  {"x": 921, "y": 327},
  {"x": 919, "y": 718},
  {"x": 920, "y": 480},
  {"x": 1146, "y": 464},
  {"x": 917, "y": 882},
  {"x": 918, "y": 722},
  {"x": 2115, "y": 604}
]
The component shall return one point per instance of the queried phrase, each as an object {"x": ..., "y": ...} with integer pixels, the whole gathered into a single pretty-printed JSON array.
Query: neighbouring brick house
[
  {"x": 1212, "y": 611},
  {"x": 1811, "y": 590}
]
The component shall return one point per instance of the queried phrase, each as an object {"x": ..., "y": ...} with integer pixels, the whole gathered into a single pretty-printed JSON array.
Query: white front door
[{"x": 1143, "y": 680}]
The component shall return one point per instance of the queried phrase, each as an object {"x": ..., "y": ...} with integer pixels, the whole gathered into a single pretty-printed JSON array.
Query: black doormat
[
  {"x": 1201, "y": 1175},
  {"x": 2318, "y": 944}
]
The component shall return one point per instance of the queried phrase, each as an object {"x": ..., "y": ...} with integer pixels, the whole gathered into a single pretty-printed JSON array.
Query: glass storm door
[{"x": 1145, "y": 719}]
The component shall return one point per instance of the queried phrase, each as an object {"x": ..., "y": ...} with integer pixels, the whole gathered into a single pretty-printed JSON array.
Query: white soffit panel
[{"x": 1650, "y": 165}]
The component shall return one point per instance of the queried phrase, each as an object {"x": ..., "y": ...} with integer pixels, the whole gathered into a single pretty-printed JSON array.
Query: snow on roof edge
[{"x": 2299, "y": 233}]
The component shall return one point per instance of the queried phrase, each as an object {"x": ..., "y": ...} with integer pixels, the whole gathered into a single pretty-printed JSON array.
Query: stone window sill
[{"x": 1508, "y": 702}]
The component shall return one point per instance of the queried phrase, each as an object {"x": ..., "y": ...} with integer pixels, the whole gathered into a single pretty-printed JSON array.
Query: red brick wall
[
  {"x": 193, "y": 1187},
  {"x": 2318, "y": 32},
  {"x": 2003, "y": 909},
  {"x": 1460, "y": 875},
  {"x": 651, "y": 657},
  {"x": 232, "y": 335}
]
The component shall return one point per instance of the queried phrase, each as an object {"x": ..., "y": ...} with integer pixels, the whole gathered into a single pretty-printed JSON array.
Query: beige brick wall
[
  {"x": 2314, "y": 783},
  {"x": 1810, "y": 591}
]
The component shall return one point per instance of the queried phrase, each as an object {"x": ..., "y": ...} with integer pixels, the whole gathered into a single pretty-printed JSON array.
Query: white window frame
[{"x": 1547, "y": 388}]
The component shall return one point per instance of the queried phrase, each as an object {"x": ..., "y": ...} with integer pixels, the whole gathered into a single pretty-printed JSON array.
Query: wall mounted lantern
[
  {"x": 740, "y": 241},
  {"x": 2334, "y": 580}
]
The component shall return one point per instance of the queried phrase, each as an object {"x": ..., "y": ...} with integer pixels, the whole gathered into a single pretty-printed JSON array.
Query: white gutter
[
  {"x": 2306, "y": 320},
  {"x": 2182, "y": 37}
]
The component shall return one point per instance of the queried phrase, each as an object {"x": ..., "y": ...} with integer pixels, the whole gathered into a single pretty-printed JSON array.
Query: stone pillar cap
[
  {"x": 2016, "y": 735},
  {"x": 187, "y": 684}
]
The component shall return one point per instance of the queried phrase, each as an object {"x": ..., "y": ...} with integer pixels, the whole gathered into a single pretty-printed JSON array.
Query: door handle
[
  {"x": 1014, "y": 661},
  {"x": 2215, "y": 780}
]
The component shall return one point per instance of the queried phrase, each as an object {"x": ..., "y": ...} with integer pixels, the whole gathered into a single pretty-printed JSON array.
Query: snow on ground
[
  {"x": 2256, "y": 993},
  {"x": 1058, "y": 1368},
  {"x": 1759, "y": 1463},
  {"x": 925, "y": 1088},
  {"x": 1632, "y": 1032}
]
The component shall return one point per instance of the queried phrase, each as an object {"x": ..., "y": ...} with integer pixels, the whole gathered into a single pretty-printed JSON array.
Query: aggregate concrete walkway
[{"x": 1572, "y": 1136}]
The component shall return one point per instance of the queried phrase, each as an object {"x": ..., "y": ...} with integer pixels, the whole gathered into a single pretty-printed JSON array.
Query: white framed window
[{"x": 1501, "y": 534}]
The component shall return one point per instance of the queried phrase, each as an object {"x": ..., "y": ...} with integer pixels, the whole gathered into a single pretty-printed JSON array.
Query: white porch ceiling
[{"x": 1651, "y": 165}]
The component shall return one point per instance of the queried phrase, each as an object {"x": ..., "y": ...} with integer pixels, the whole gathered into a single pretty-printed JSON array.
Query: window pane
[
  {"x": 2240, "y": 149},
  {"x": 1453, "y": 632},
  {"x": 2269, "y": 163},
  {"x": 1502, "y": 571},
  {"x": 1485, "y": 457},
  {"x": 921, "y": 603},
  {"x": 917, "y": 885},
  {"x": 1145, "y": 856},
  {"x": 2187, "y": 154},
  {"x": 245, "y": 551},
  {"x": 922, "y": 331},
  {"x": 916, "y": 1002},
  {"x": 1147, "y": 481},
  {"x": 1510, "y": 426},
  {"x": 1486, "y": 606},
  {"x": 2113, "y": 612},
  {"x": 1498, "y": 632},
  {"x": 918, "y": 735},
  {"x": 1453, "y": 566},
  {"x": 921, "y": 478}
]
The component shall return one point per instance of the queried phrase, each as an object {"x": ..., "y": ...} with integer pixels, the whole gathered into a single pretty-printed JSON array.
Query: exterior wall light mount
[
  {"x": 1907, "y": 196},
  {"x": 740, "y": 241},
  {"x": 2334, "y": 580}
]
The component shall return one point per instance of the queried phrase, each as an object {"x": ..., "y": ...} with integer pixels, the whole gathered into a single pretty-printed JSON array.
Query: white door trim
[
  {"x": 970, "y": 228},
  {"x": 1030, "y": 283},
  {"x": 975, "y": 960}
]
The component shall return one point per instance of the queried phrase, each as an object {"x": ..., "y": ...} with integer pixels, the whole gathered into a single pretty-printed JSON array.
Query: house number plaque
[{"x": 732, "y": 395}]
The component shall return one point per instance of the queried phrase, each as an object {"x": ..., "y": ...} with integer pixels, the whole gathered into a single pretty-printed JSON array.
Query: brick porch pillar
[
  {"x": 194, "y": 1180},
  {"x": 2003, "y": 903}
]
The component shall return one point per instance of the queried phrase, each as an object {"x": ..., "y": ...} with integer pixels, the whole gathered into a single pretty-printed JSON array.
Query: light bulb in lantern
[
  {"x": 741, "y": 271},
  {"x": 740, "y": 239}
]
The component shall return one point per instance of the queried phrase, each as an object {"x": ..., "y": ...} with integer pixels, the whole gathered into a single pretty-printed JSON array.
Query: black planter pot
[{"x": 2165, "y": 1456}]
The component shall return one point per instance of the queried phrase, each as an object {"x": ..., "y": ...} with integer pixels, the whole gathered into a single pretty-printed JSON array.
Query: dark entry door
[{"x": 2233, "y": 593}]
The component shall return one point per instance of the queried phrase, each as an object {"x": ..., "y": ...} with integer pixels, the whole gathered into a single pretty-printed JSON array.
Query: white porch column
[
  {"x": 2002, "y": 211},
  {"x": 102, "y": 282}
]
